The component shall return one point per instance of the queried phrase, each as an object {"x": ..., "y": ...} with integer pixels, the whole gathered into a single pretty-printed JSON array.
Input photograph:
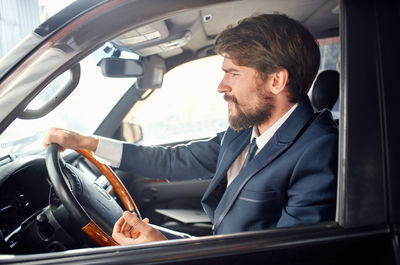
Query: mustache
[{"x": 231, "y": 98}]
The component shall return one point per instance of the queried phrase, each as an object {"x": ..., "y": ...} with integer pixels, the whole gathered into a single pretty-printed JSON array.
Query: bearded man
[{"x": 275, "y": 166}]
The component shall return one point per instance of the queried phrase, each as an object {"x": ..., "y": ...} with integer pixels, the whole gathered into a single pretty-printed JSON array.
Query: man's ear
[{"x": 279, "y": 81}]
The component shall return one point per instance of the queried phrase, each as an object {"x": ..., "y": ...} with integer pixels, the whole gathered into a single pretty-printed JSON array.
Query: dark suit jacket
[{"x": 291, "y": 181}]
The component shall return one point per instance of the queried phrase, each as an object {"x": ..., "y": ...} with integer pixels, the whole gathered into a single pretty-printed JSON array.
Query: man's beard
[{"x": 254, "y": 117}]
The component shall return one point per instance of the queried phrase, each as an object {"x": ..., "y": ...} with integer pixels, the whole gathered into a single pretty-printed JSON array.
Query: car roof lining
[{"x": 308, "y": 12}]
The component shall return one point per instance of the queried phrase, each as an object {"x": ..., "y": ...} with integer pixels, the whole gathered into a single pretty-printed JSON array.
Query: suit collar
[
  {"x": 264, "y": 138},
  {"x": 295, "y": 122}
]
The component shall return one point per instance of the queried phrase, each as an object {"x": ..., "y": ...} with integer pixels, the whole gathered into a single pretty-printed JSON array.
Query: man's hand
[
  {"x": 70, "y": 139},
  {"x": 129, "y": 230}
]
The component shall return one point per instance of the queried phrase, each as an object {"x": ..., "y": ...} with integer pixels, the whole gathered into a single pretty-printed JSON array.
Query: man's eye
[{"x": 234, "y": 74}]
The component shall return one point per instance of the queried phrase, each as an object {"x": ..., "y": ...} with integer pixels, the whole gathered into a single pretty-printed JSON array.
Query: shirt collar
[{"x": 262, "y": 140}]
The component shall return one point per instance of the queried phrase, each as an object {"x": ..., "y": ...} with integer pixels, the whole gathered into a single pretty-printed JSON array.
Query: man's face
[{"x": 249, "y": 100}]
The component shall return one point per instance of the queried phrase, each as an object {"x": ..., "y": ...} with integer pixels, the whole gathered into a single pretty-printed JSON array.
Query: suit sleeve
[
  {"x": 311, "y": 194},
  {"x": 197, "y": 159}
]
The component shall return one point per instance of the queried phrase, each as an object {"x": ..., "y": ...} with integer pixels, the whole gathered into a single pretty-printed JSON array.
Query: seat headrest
[{"x": 325, "y": 90}]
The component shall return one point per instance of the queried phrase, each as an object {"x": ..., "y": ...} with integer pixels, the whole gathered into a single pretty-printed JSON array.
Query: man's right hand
[
  {"x": 130, "y": 230},
  {"x": 70, "y": 139}
]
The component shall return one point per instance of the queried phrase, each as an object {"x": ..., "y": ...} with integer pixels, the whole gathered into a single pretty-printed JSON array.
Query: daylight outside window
[{"x": 166, "y": 118}]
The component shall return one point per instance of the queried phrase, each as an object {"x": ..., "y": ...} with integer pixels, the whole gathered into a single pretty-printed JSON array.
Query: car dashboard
[
  {"x": 24, "y": 189},
  {"x": 32, "y": 219}
]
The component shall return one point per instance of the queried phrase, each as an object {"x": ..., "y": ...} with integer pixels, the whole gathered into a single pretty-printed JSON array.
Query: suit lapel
[
  {"x": 270, "y": 151},
  {"x": 280, "y": 142},
  {"x": 232, "y": 150}
]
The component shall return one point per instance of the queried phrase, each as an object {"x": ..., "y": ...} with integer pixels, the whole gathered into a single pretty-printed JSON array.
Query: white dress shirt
[{"x": 109, "y": 151}]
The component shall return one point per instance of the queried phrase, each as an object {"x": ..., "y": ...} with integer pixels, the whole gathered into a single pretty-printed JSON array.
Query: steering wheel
[{"x": 90, "y": 205}]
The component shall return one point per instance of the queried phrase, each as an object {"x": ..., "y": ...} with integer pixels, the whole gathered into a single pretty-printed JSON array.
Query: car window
[
  {"x": 82, "y": 111},
  {"x": 20, "y": 18},
  {"x": 329, "y": 49},
  {"x": 166, "y": 118}
]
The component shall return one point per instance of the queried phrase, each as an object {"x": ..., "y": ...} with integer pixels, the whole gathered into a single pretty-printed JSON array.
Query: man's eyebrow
[{"x": 229, "y": 70}]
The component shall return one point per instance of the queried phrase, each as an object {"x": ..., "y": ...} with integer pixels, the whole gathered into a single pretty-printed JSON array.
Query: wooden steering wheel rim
[{"x": 91, "y": 229}]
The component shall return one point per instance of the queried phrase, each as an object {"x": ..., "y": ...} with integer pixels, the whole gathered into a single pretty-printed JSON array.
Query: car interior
[{"x": 35, "y": 220}]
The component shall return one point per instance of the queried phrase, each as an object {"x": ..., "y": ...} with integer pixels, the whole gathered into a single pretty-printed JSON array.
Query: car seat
[{"x": 325, "y": 92}]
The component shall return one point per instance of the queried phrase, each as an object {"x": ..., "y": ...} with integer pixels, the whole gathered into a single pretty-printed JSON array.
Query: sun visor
[{"x": 154, "y": 70}]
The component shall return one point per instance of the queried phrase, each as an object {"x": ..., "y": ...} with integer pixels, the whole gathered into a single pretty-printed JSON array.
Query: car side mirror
[
  {"x": 129, "y": 132},
  {"x": 121, "y": 67},
  {"x": 132, "y": 132}
]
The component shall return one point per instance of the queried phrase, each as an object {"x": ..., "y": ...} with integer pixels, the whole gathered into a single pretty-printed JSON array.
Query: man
[{"x": 270, "y": 62}]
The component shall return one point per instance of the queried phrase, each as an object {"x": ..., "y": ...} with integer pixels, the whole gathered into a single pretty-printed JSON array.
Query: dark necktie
[
  {"x": 251, "y": 153},
  {"x": 220, "y": 189}
]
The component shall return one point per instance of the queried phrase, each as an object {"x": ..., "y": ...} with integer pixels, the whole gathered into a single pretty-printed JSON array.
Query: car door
[{"x": 365, "y": 230}]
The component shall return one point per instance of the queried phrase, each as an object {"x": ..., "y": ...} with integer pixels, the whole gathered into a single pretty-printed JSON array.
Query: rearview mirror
[{"x": 120, "y": 67}]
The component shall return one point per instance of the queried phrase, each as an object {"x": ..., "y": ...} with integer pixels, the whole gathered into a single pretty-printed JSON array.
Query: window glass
[
  {"x": 83, "y": 110},
  {"x": 20, "y": 18},
  {"x": 329, "y": 49},
  {"x": 186, "y": 107}
]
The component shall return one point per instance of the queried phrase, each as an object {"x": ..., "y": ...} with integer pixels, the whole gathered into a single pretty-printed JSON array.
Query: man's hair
[{"x": 269, "y": 43}]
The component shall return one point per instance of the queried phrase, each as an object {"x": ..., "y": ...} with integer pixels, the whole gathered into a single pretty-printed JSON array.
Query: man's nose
[{"x": 223, "y": 87}]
